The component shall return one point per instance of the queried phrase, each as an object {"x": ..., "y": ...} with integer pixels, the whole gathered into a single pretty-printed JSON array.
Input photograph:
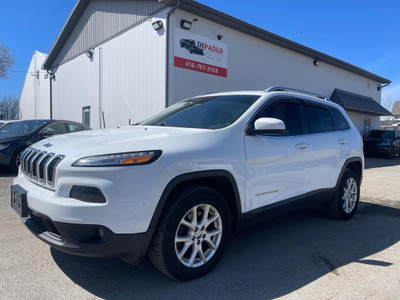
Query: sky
[{"x": 365, "y": 33}]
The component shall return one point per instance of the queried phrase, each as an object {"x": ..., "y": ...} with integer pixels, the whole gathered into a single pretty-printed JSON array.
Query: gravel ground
[{"x": 303, "y": 255}]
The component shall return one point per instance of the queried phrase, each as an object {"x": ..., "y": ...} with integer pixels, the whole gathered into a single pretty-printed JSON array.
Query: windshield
[
  {"x": 212, "y": 112},
  {"x": 23, "y": 126},
  {"x": 385, "y": 134}
]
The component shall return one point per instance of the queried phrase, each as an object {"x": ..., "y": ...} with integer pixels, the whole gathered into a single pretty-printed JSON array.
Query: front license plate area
[{"x": 18, "y": 201}]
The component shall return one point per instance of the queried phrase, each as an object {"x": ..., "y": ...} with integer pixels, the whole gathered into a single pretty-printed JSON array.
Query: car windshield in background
[
  {"x": 23, "y": 127},
  {"x": 388, "y": 134},
  {"x": 212, "y": 112}
]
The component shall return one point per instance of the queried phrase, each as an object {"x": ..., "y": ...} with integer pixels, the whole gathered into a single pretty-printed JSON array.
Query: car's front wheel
[
  {"x": 345, "y": 202},
  {"x": 15, "y": 161},
  {"x": 192, "y": 234}
]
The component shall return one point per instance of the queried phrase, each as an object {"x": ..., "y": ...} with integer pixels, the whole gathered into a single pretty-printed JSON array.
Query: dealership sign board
[{"x": 197, "y": 53}]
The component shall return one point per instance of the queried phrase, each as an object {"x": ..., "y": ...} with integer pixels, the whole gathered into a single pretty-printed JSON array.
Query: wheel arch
[
  {"x": 221, "y": 181},
  {"x": 355, "y": 164}
]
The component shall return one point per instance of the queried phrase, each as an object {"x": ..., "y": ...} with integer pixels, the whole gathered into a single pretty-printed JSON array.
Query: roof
[
  {"x": 358, "y": 103},
  {"x": 396, "y": 108},
  {"x": 223, "y": 19}
]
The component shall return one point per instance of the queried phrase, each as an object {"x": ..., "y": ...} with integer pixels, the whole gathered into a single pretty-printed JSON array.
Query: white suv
[{"x": 174, "y": 186}]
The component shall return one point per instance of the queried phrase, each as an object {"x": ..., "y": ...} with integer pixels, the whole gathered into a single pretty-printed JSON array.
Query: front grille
[{"x": 40, "y": 166}]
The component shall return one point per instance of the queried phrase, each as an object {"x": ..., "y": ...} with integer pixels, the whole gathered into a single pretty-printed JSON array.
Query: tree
[
  {"x": 387, "y": 102},
  {"x": 9, "y": 107},
  {"x": 6, "y": 60}
]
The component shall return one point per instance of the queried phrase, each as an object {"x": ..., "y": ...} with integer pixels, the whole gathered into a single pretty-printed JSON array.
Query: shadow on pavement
[
  {"x": 4, "y": 172},
  {"x": 267, "y": 260},
  {"x": 377, "y": 162}
]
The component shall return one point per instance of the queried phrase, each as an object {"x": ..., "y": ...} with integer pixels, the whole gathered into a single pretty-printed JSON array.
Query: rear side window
[
  {"x": 288, "y": 112},
  {"x": 339, "y": 120},
  {"x": 74, "y": 128},
  {"x": 317, "y": 119}
]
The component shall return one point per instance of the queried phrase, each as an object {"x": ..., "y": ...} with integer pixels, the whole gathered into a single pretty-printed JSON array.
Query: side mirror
[
  {"x": 47, "y": 134},
  {"x": 269, "y": 125}
]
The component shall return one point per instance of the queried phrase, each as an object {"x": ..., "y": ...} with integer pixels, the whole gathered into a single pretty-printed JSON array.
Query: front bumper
[{"x": 89, "y": 240}]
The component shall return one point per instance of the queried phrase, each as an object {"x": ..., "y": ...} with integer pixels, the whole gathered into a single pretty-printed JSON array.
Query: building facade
[{"x": 118, "y": 62}]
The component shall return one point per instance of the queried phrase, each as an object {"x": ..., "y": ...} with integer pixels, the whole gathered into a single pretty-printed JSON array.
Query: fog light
[{"x": 87, "y": 194}]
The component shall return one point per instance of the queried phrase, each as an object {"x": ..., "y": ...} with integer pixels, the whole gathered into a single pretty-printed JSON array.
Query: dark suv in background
[
  {"x": 16, "y": 136},
  {"x": 381, "y": 142}
]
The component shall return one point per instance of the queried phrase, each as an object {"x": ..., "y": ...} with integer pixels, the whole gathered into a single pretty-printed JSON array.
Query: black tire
[
  {"x": 337, "y": 207},
  {"x": 163, "y": 252},
  {"x": 14, "y": 165},
  {"x": 391, "y": 153}
]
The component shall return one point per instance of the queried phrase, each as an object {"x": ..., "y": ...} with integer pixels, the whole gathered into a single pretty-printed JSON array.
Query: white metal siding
[
  {"x": 254, "y": 64},
  {"x": 34, "y": 101},
  {"x": 102, "y": 20},
  {"x": 132, "y": 84}
]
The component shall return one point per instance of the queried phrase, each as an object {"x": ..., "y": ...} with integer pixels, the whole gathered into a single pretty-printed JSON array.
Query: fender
[
  {"x": 345, "y": 165},
  {"x": 193, "y": 176}
]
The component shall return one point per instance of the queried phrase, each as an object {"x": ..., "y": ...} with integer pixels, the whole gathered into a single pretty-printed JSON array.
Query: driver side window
[
  {"x": 288, "y": 112},
  {"x": 57, "y": 128}
]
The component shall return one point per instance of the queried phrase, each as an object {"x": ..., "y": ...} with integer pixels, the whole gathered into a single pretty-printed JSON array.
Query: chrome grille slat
[
  {"x": 51, "y": 169},
  {"x": 31, "y": 160},
  {"x": 27, "y": 160},
  {"x": 23, "y": 157}
]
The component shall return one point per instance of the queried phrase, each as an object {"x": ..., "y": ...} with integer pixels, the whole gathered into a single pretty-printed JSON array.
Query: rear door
[{"x": 327, "y": 145}]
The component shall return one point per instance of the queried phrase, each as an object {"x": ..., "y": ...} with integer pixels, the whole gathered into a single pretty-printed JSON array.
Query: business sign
[{"x": 197, "y": 53}]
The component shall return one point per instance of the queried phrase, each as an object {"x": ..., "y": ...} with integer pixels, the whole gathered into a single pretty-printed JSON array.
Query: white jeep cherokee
[{"x": 177, "y": 184}]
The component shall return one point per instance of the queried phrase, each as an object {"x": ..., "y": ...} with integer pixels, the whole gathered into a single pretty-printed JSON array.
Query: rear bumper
[{"x": 89, "y": 240}]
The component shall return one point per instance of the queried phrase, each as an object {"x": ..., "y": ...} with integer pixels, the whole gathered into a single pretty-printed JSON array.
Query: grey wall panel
[{"x": 102, "y": 20}]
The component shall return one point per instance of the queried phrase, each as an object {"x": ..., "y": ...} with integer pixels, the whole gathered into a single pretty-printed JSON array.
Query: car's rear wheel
[
  {"x": 191, "y": 236},
  {"x": 345, "y": 202}
]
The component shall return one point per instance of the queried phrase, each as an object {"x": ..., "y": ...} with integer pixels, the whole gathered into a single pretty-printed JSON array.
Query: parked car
[
  {"x": 381, "y": 142},
  {"x": 178, "y": 183},
  {"x": 190, "y": 45},
  {"x": 16, "y": 136}
]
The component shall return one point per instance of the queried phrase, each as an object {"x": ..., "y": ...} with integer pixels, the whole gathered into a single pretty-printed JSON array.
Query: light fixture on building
[
  {"x": 89, "y": 53},
  {"x": 316, "y": 62},
  {"x": 220, "y": 37},
  {"x": 186, "y": 24},
  {"x": 157, "y": 25}
]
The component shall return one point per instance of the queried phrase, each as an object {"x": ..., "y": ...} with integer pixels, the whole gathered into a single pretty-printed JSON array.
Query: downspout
[
  {"x": 101, "y": 113},
  {"x": 51, "y": 76},
  {"x": 169, "y": 13}
]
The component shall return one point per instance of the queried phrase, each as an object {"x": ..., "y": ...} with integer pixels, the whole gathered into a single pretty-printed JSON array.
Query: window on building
[
  {"x": 317, "y": 119},
  {"x": 366, "y": 125},
  {"x": 86, "y": 115}
]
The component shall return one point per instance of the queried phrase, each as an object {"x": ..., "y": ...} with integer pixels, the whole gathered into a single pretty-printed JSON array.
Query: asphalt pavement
[{"x": 303, "y": 255}]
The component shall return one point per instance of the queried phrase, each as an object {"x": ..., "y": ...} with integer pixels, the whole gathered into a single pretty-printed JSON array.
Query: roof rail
[{"x": 282, "y": 89}]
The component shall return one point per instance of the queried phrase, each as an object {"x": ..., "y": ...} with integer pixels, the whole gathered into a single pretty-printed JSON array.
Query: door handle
[
  {"x": 302, "y": 146},
  {"x": 342, "y": 142}
]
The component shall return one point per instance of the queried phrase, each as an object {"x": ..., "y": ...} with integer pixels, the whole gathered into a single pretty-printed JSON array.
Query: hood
[
  {"x": 377, "y": 140},
  {"x": 118, "y": 140},
  {"x": 6, "y": 137}
]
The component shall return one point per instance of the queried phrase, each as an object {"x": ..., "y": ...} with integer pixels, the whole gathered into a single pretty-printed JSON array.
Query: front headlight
[
  {"x": 119, "y": 159},
  {"x": 4, "y": 146}
]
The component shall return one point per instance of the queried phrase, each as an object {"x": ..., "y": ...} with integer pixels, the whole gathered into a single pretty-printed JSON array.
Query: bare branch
[
  {"x": 6, "y": 60},
  {"x": 9, "y": 107}
]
